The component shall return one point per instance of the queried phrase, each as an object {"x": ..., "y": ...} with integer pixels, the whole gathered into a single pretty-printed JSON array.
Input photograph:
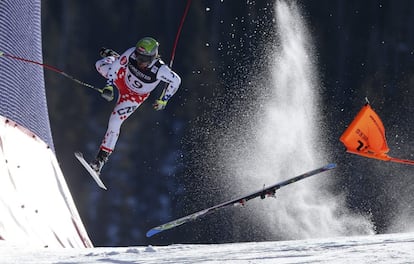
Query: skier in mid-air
[{"x": 135, "y": 73}]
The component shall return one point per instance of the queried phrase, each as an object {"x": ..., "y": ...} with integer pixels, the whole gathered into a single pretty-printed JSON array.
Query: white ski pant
[{"x": 128, "y": 102}]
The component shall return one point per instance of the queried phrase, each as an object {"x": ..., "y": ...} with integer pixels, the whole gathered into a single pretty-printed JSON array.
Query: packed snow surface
[{"x": 388, "y": 248}]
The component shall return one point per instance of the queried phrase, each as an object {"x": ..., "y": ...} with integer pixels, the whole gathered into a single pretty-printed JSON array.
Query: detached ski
[
  {"x": 93, "y": 173},
  {"x": 269, "y": 191}
]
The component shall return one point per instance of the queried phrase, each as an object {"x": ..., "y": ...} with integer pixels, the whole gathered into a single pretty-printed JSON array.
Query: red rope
[
  {"x": 35, "y": 62},
  {"x": 179, "y": 32},
  {"x": 52, "y": 68}
]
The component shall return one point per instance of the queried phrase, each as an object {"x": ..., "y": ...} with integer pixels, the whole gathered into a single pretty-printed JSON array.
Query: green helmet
[{"x": 146, "y": 49}]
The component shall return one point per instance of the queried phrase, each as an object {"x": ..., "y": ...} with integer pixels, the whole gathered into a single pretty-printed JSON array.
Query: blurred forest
[{"x": 161, "y": 168}]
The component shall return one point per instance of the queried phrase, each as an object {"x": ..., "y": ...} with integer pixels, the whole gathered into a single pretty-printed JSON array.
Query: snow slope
[
  {"x": 35, "y": 203},
  {"x": 388, "y": 248}
]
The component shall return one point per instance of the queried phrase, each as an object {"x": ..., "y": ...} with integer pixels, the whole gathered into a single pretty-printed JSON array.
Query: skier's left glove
[
  {"x": 160, "y": 104},
  {"x": 108, "y": 92}
]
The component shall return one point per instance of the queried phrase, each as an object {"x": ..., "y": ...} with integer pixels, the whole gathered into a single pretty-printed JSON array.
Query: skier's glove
[
  {"x": 160, "y": 104},
  {"x": 105, "y": 52},
  {"x": 108, "y": 92}
]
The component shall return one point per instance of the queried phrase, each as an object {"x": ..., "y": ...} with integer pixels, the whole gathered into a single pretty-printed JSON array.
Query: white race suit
[{"x": 134, "y": 86}]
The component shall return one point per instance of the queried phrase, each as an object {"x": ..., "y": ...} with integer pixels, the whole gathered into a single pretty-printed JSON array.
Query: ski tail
[{"x": 93, "y": 173}]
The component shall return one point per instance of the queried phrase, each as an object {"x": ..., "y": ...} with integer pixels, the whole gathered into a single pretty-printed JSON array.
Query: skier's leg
[
  {"x": 128, "y": 102},
  {"x": 121, "y": 112}
]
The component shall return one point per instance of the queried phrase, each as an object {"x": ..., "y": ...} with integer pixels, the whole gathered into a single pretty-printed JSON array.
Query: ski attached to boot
[
  {"x": 266, "y": 192},
  {"x": 92, "y": 172}
]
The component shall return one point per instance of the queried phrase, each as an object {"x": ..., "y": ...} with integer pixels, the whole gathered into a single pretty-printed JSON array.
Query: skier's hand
[
  {"x": 160, "y": 104},
  {"x": 105, "y": 52},
  {"x": 108, "y": 92}
]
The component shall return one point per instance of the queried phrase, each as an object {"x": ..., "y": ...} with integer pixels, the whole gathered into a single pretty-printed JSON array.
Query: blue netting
[{"x": 22, "y": 90}]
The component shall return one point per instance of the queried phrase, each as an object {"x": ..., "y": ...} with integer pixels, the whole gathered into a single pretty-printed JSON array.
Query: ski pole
[{"x": 49, "y": 67}]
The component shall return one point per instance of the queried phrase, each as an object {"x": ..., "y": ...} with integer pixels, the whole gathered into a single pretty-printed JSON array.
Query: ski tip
[
  {"x": 330, "y": 166},
  {"x": 152, "y": 232}
]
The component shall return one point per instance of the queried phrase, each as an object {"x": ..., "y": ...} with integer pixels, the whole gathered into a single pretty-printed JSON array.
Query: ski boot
[
  {"x": 105, "y": 52},
  {"x": 100, "y": 161}
]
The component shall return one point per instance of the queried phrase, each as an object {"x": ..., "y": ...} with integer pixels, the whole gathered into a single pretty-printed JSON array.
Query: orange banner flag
[{"x": 365, "y": 136}]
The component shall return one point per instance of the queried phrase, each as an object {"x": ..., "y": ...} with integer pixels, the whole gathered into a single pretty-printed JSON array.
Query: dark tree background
[{"x": 160, "y": 170}]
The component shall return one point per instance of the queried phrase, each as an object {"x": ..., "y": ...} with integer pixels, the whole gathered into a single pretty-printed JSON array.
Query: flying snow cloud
[{"x": 288, "y": 140}]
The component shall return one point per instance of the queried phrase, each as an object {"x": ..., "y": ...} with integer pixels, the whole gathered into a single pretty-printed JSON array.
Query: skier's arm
[
  {"x": 108, "y": 90},
  {"x": 173, "y": 81},
  {"x": 113, "y": 70}
]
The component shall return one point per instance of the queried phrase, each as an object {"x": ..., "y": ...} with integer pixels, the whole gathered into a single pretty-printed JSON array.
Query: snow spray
[{"x": 288, "y": 140}]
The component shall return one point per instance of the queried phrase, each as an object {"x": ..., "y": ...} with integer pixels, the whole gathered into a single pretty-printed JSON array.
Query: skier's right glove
[
  {"x": 108, "y": 92},
  {"x": 160, "y": 104}
]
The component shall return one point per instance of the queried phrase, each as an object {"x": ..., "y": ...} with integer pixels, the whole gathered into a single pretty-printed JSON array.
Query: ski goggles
[{"x": 143, "y": 58}]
